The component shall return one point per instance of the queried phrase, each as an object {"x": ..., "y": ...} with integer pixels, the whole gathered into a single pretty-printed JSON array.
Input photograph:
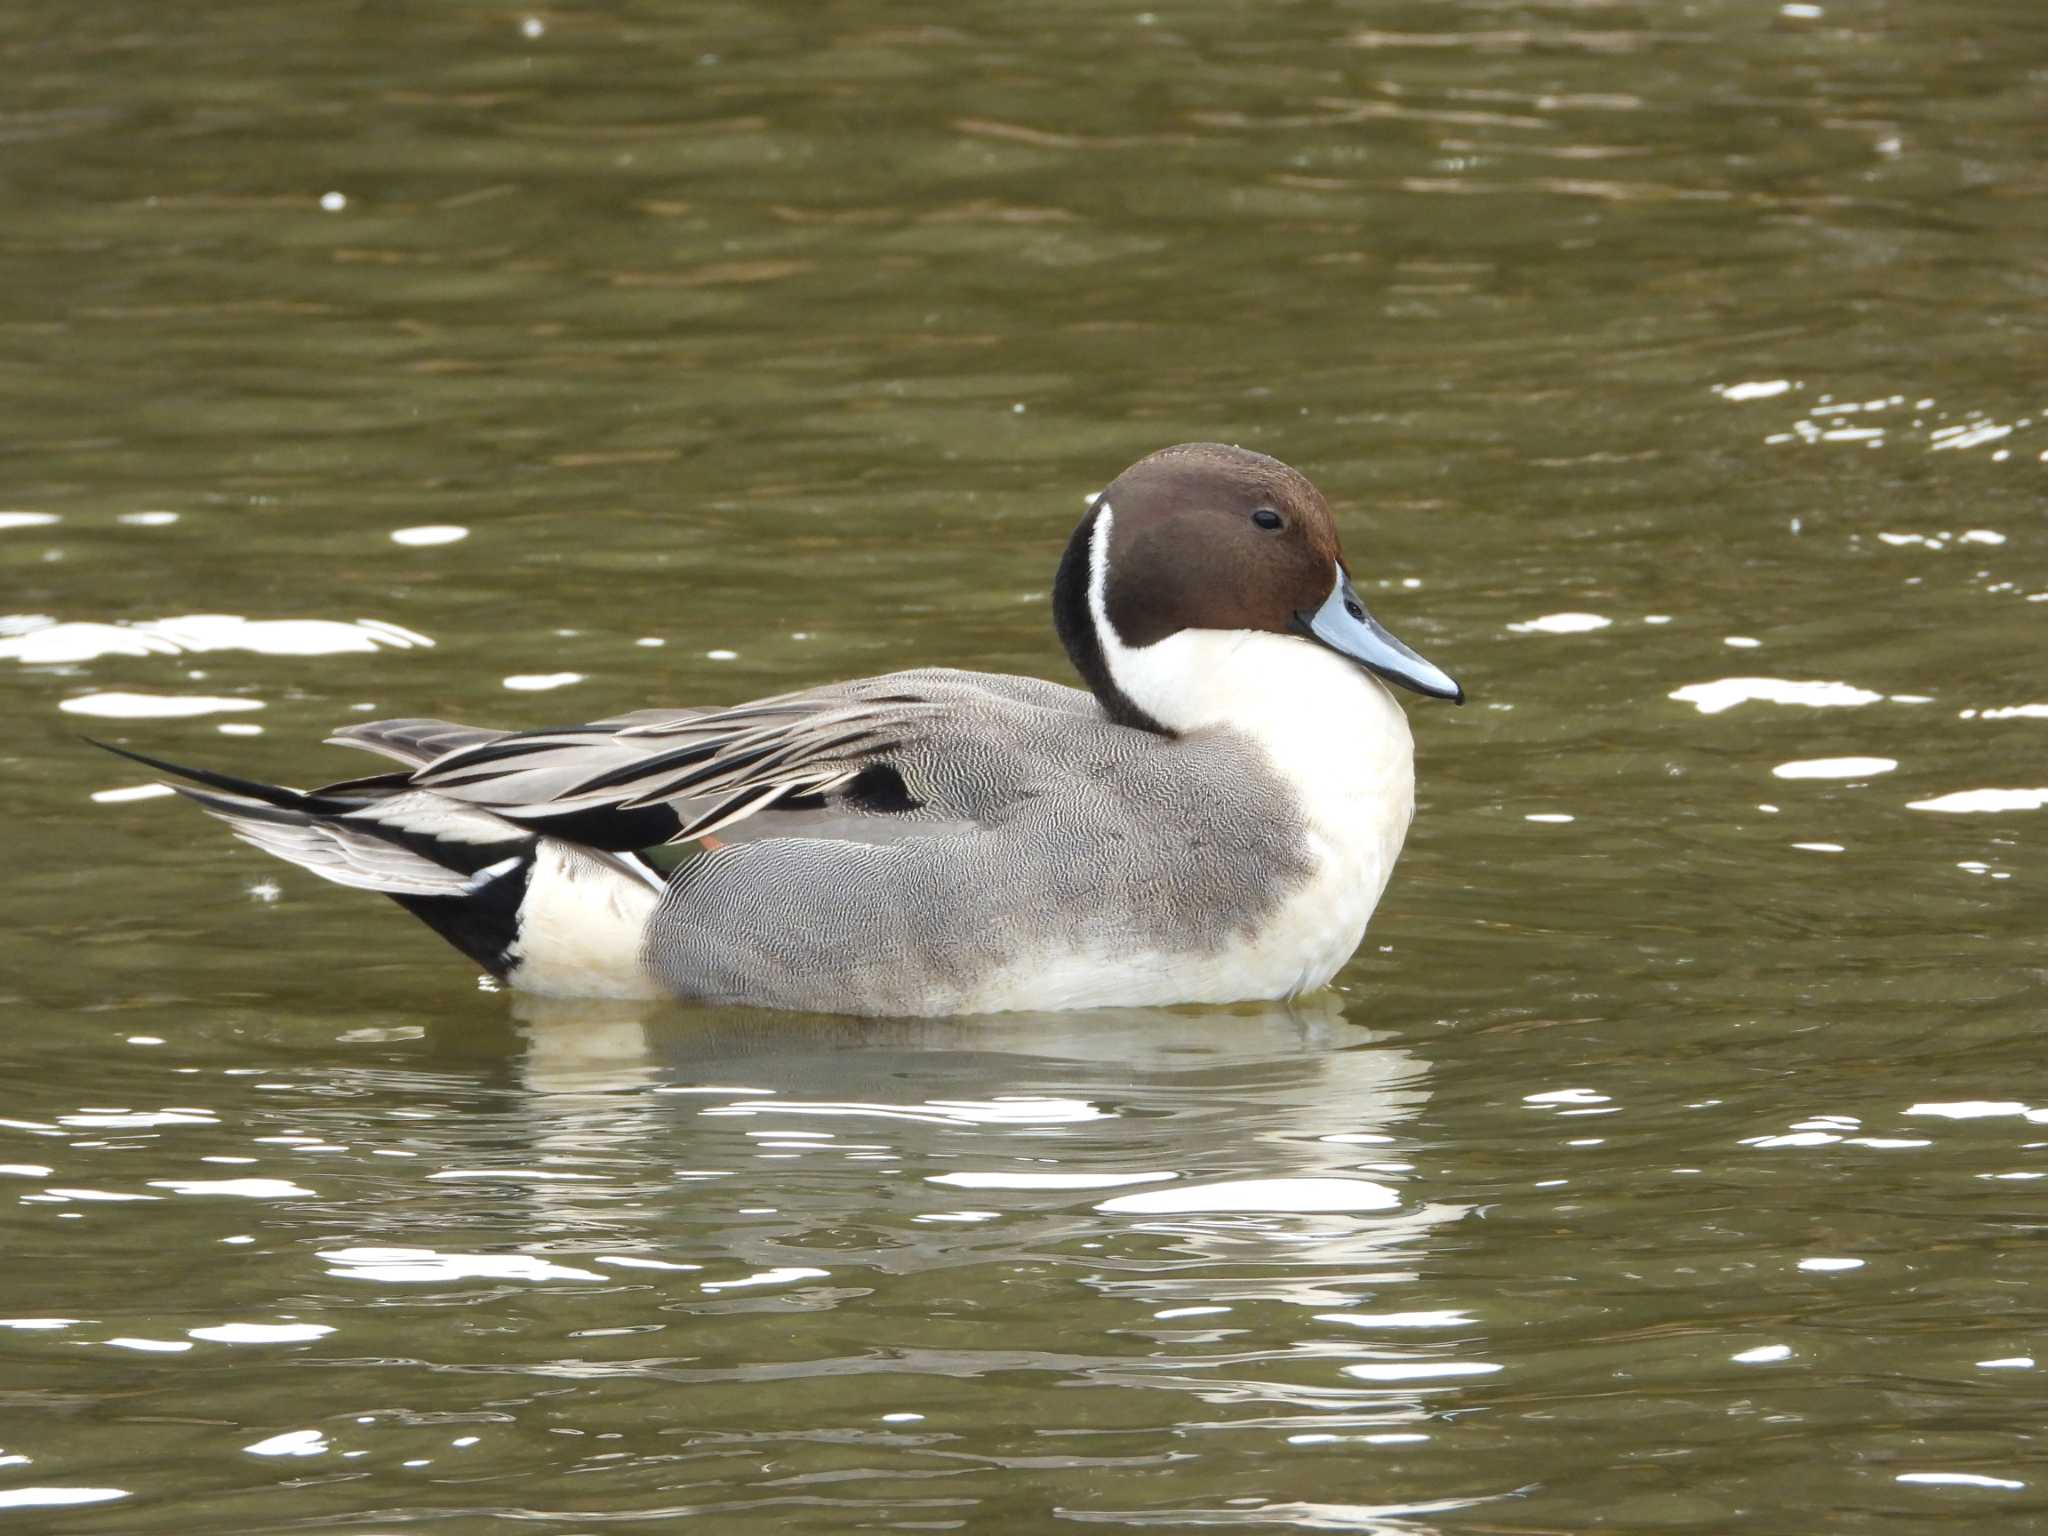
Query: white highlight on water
[
  {"x": 149, "y": 706},
  {"x": 628, "y": 1261},
  {"x": 260, "y": 1333},
  {"x": 1561, "y": 624},
  {"x": 429, "y": 533},
  {"x": 1727, "y": 692},
  {"x": 245, "y": 1189},
  {"x": 1834, "y": 767},
  {"x": 45, "y": 642},
  {"x": 1419, "y": 1370},
  {"x": 426, "y": 1264},
  {"x": 293, "y": 1442},
  {"x": 132, "y": 792},
  {"x": 1566, "y": 1096},
  {"x": 1969, "y": 1109},
  {"x": 779, "y": 1276},
  {"x": 1759, "y": 389},
  {"x": 1277, "y": 1196},
  {"x": 1967, "y": 801},
  {"x": 44, "y": 1498},
  {"x": 541, "y": 682}
]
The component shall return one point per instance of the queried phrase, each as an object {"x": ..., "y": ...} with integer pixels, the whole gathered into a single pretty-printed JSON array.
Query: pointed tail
[{"x": 460, "y": 870}]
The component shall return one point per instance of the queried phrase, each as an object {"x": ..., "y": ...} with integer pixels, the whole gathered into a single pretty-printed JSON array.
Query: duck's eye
[{"x": 1268, "y": 519}]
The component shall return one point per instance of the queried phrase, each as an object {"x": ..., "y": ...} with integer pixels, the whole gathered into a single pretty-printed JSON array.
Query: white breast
[
  {"x": 1334, "y": 735},
  {"x": 1360, "y": 798}
]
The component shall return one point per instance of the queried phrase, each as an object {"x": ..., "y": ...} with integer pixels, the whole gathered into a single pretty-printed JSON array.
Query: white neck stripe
[{"x": 1098, "y": 585}]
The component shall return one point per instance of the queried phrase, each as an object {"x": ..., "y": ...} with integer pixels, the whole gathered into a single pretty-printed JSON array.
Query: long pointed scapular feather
[{"x": 716, "y": 767}]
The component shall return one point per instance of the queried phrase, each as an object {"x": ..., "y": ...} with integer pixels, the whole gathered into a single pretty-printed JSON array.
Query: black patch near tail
[
  {"x": 482, "y": 922},
  {"x": 611, "y": 827},
  {"x": 484, "y": 925}
]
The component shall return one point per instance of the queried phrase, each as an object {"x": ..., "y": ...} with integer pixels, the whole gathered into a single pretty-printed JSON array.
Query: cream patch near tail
[{"x": 581, "y": 926}]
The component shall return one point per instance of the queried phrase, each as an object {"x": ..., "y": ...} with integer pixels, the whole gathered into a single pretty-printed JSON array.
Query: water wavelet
[{"x": 38, "y": 640}]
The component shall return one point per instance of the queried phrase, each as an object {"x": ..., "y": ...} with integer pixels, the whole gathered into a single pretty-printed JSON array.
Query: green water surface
[{"x": 1677, "y": 371}]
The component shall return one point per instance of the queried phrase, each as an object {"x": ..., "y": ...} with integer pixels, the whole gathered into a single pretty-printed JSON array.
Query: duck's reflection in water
[
  {"x": 600, "y": 1044},
  {"x": 1227, "y": 1186}
]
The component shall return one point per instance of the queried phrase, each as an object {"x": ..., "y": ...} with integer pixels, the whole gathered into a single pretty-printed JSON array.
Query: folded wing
[{"x": 660, "y": 775}]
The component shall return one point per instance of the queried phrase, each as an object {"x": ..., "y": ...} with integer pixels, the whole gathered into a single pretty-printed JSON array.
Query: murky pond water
[{"x": 1669, "y": 1159}]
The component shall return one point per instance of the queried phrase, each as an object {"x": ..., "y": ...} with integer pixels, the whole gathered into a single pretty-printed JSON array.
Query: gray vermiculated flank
[{"x": 1084, "y": 837}]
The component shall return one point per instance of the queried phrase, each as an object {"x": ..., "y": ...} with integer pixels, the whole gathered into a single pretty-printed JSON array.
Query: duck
[{"x": 1211, "y": 819}]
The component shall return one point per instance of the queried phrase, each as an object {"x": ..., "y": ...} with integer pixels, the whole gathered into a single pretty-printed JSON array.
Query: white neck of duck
[
  {"x": 1330, "y": 728},
  {"x": 1331, "y": 732}
]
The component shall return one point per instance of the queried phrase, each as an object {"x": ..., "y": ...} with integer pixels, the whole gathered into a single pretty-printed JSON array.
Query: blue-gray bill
[{"x": 1344, "y": 625}]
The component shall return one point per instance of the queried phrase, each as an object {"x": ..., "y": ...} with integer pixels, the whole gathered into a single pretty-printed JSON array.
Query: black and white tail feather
[{"x": 523, "y": 849}]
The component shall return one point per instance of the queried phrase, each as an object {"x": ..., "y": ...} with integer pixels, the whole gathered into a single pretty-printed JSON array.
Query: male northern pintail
[{"x": 1214, "y": 820}]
